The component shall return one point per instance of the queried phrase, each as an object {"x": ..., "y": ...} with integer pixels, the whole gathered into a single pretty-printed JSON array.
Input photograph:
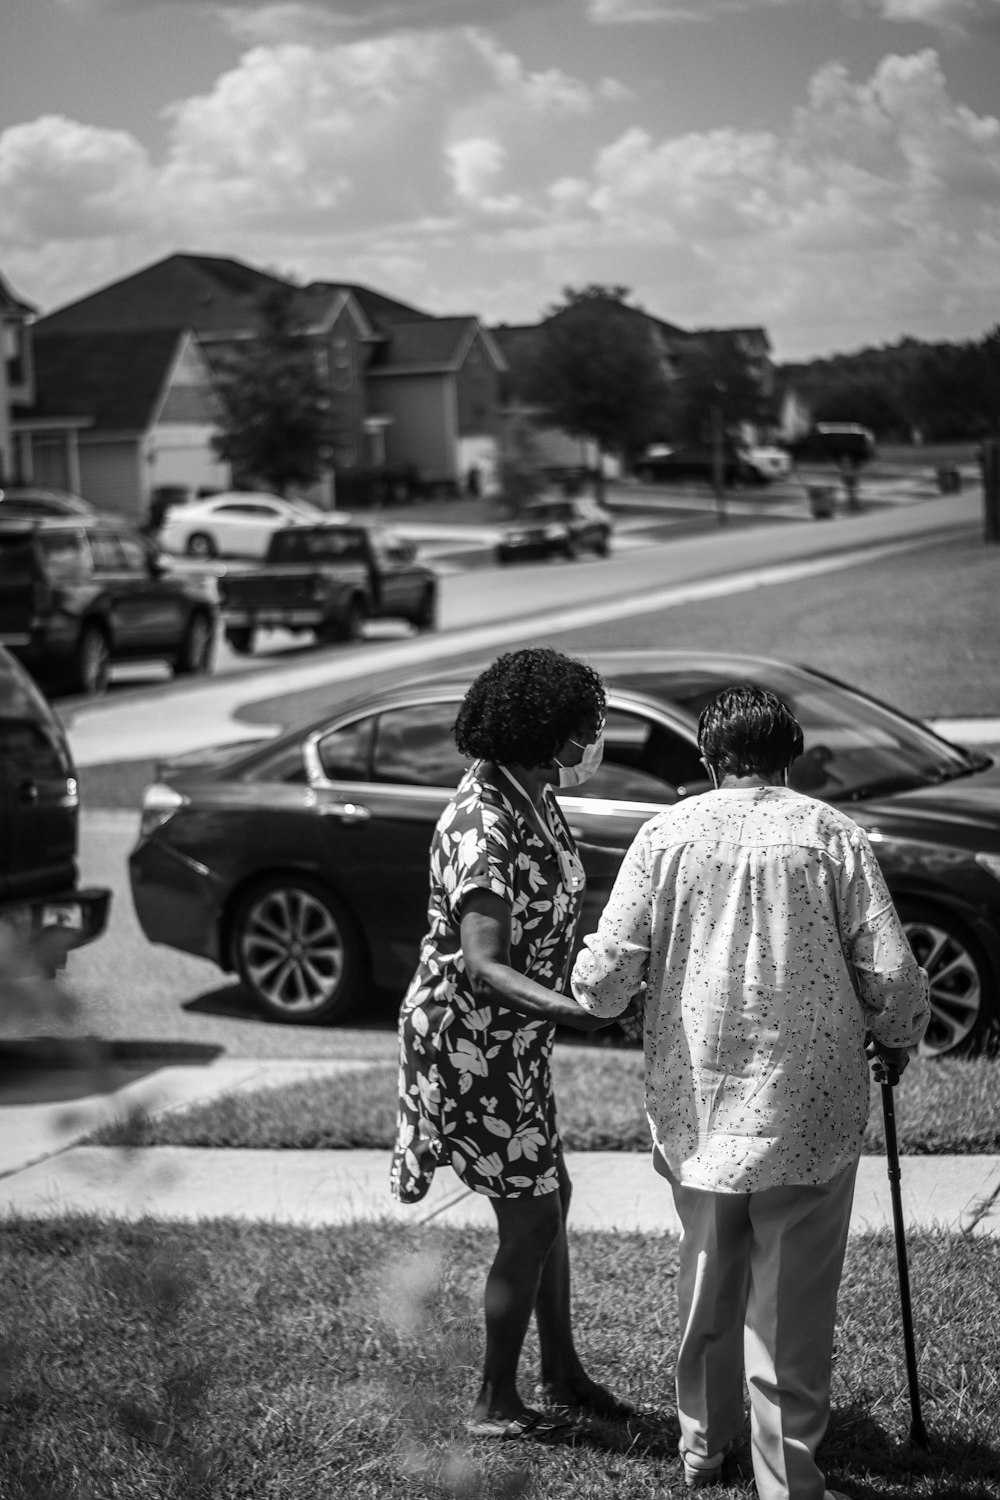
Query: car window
[
  {"x": 136, "y": 556},
  {"x": 644, "y": 762},
  {"x": 17, "y": 558},
  {"x": 415, "y": 746},
  {"x": 345, "y": 753},
  {"x": 64, "y": 556},
  {"x": 106, "y": 553},
  {"x": 332, "y": 544}
]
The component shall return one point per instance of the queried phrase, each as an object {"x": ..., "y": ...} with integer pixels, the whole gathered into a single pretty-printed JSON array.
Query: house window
[{"x": 342, "y": 377}]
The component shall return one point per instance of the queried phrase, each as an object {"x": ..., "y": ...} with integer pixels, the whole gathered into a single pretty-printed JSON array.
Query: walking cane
[{"x": 918, "y": 1432}]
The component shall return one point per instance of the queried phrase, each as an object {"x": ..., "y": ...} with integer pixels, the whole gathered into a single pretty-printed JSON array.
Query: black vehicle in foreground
[
  {"x": 557, "y": 528},
  {"x": 42, "y": 908},
  {"x": 40, "y": 500},
  {"x": 80, "y": 592},
  {"x": 301, "y": 864}
]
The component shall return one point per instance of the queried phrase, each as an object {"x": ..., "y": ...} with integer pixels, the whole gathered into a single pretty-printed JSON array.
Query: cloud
[{"x": 60, "y": 179}]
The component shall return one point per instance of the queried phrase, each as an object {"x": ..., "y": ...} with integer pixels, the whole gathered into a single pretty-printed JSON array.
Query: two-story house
[{"x": 415, "y": 397}]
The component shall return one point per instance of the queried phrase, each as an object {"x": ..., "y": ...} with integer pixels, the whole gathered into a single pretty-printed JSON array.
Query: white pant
[{"x": 757, "y": 1293}]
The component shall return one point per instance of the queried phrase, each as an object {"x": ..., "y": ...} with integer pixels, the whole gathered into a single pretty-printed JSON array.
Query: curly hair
[
  {"x": 525, "y": 706},
  {"x": 748, "y": 731}
]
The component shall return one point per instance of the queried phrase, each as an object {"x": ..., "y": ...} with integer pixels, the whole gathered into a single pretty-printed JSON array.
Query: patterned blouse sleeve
[
  {"x": 612, "y": 963},
  {"x": 480, "y": 853},
  {"x": 892, "y": 986}
]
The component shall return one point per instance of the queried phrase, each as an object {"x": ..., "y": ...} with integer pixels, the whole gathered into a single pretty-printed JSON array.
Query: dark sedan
[
  {"x": 302, "y": 864},
  {"x": 557, "y": 528},
  {"x": 696, "y": 461}
]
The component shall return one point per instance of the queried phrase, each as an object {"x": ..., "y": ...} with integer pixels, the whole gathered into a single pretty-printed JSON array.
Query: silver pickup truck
[{"x": 329, "y": 578}]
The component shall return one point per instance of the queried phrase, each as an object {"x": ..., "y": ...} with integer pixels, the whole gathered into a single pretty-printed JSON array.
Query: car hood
[{"x": 971, "y": 802}]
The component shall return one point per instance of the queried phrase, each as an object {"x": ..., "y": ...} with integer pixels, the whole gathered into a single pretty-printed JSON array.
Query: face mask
[{"x": 593, "y": 754}]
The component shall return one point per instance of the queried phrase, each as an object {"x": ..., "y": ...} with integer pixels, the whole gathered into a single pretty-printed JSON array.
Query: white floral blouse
[
  {"x": 475, "y": 1086},
  {"x": 761, "y": 924}
]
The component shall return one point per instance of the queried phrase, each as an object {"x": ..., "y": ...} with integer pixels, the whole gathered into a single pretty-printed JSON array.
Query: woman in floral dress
[{"x": 477, "y": 1024}]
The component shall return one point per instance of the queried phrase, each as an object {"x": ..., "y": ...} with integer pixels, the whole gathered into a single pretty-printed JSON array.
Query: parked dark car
[
  {"x": 835, "y": 443},
  {"x": 695, "y": 461},
  {"x": 557, "y": 528},
  {"x": 78, "y": 593},
  {"x": 329, "y": 578},
  {"x": 39, "y": 500},
  {"x": 302, "y": 864},
  {"x": 41, "y": 904}
]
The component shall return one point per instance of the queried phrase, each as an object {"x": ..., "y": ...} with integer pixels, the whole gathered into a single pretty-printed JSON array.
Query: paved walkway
[{"x": 44, "y": 1173}]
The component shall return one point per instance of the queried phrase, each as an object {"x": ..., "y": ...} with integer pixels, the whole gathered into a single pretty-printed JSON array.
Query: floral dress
[{"x": 475, "y": 1085}]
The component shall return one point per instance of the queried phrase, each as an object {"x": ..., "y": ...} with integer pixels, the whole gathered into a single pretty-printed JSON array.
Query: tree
[
  {"x": 275, "y": 425},
  {"x": 597, "y": 371},
  {"x": 715, "y": 382}
]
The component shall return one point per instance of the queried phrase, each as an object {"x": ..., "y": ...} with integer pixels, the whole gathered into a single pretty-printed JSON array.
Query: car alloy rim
[
  {"x": 293, "y": 950},
  {"x": 956, "y": 986}
]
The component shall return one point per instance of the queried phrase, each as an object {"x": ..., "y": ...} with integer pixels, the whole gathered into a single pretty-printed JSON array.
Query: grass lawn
[
  {"x": 950, "y": 1106},
  {"x": 220, "y": 1362}
]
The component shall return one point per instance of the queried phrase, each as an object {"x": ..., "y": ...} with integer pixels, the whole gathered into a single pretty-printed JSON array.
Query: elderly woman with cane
[
  {"x": 477, "y": 1024},
  {"x": 761, "y": 926}
]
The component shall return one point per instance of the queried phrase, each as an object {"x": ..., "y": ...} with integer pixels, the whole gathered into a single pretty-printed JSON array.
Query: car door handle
[{"x": 347, "y": 812}]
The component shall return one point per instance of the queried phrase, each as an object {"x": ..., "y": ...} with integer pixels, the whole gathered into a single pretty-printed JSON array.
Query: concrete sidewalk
[{"x": 43, "y": 1173}]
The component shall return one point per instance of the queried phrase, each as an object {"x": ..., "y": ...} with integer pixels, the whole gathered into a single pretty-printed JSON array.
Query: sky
[{"x": 826, "y": 169}]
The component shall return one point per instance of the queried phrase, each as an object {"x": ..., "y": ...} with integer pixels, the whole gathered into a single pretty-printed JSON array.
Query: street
[{"x": 916, "y": 624}]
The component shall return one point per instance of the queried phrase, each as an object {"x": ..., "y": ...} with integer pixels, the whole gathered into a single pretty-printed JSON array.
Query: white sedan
[
  {"x": 235, "y": 524},
  {"x": 767, "y": 461}
]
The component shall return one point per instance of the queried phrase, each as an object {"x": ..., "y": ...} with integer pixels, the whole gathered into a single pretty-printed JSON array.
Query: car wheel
[
  {"x": 297, "y": 950},
  {"x": 960, "y": 979},
  {"x": 200, "y": 544},
  {"x": 571, "y": 549},
  {"x": 195, "y": 657},
  {"x": 352, "y": 626},
  {"x": 603, "y": 544},
  {"x": 502, "y": 557},
  {"x": 92, "y": 662},
  {"x": 241, "y": 638},
  {"x": 426, "y": 616}
]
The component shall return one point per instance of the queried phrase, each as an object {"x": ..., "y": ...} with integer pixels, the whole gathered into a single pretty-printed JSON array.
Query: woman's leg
[
  {"x": 562, "y": 1373},
  {"x": 529, "y": 1228}
]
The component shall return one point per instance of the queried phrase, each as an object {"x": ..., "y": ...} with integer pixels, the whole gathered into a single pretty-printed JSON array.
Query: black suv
[
  {"x": 40, "y": 903},
  {"x": 80, "y": 592}
]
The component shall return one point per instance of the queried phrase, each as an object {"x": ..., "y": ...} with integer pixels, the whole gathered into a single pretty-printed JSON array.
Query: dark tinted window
[
  {"x": 64, "y": 555},
  {"x": 345, "y": 753},
  {"x": 106, "y": 553},
  {"x": 416, "y": 746},
  {"x": 334, "y": 544},
  {"x": 136, "y": 556}
]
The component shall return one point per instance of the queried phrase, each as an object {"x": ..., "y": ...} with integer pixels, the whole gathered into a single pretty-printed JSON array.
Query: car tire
[
  {"x": 241, "y": 639},
  {"x": 962, "y": 984},
  {"x": 297, "y": 950},
  {"x": 201, "y": 545},
  {"x": 92, "y": 662},
  {"x": 502, "y": 557},
  {"x": 602, "y": 546},
  {"x": 426, "y": 617},
  {"x": 352, "y": 625},
  {"x": 197, "y": 653},
  {"x": 571, "y": 549}
]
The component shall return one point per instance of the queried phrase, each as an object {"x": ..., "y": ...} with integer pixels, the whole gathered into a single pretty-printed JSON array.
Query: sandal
[
  {"x": 534, "y": 1426},
  {"x": 598, "y": 1401}
]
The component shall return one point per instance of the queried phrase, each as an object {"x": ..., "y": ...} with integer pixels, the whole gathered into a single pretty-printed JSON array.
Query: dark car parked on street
[
  {"x": 696, "y": 461},
  {"x": 557, "y": 528},
  {"x": 835, "y": 443},
  {"x": 80, "y": 592},
  {"x": 41, "y": 904},
  {"x": 302, "y": 863}
]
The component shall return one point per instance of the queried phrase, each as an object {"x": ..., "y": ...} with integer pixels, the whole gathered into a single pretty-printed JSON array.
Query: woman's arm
[{"x": 485, "y": 931}]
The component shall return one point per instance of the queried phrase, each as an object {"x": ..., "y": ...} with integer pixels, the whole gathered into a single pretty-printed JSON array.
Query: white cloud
[{"x": 60, "y": 179}]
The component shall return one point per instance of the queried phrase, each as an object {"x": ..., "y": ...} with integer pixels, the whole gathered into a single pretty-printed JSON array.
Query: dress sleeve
[
  {"x": 478, "y": 851},
  {"x": 612, "y": 963},
  {"x": 892, "y": 986}
]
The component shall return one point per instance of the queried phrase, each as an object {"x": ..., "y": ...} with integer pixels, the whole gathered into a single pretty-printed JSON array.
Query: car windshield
[
  {"x": 335, "y": 544},
  {"x": 854, "y": 747}
]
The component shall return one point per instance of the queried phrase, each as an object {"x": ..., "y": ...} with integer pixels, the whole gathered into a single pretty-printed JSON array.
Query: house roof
[
  {"x": 114, "y": 378},
  {"x": 209, "y": 293},
  {"x": 13, "y": 304},
  {"x": 430, "y": 345},
  {"x": 381, "y": 312}
]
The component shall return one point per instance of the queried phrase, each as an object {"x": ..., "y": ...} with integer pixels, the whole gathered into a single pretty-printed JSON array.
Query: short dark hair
[
  {"x": 525, "y": 706},
  {"x": 748, "y": 731}
]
